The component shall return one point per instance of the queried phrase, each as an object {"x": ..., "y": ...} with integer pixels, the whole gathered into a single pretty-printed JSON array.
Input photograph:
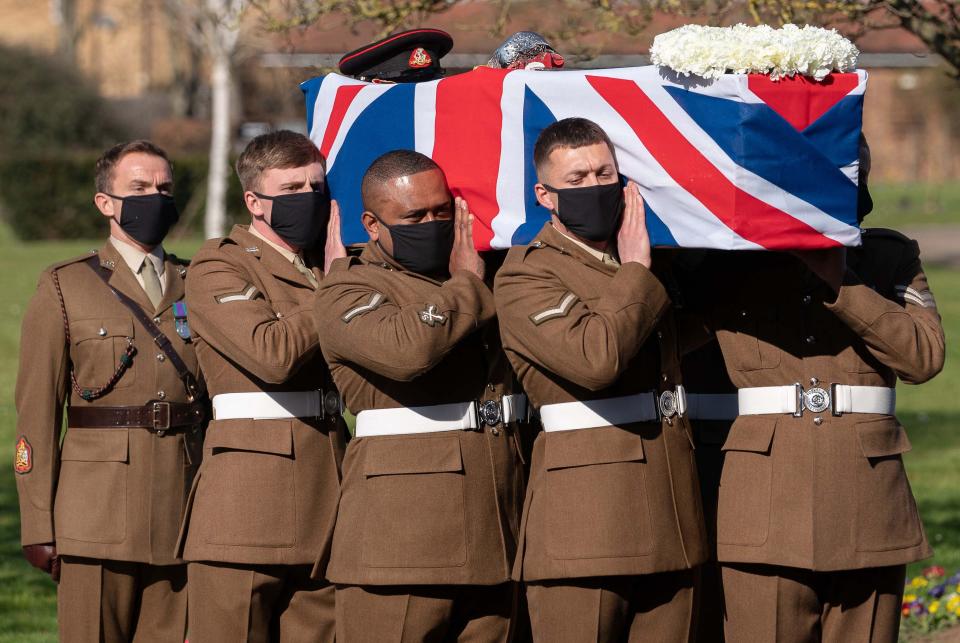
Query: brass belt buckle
[{"x": 161, "y": 418}]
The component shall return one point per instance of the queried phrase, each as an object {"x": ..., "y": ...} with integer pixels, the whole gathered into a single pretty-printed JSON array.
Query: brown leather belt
[{"x": 155, "y": 416}]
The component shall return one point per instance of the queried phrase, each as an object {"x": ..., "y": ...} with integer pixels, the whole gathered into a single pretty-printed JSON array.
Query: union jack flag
[{"x": 742, "y": 162}]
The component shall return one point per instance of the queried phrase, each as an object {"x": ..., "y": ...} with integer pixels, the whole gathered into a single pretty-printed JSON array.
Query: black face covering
[
  {"x": 864, "y": 202},
  {"x": 423, "y": 248},
  {"x": 147, "y": 218},
  {"x": 592, "y": 212},
  {"x": 300, "y": 219}
]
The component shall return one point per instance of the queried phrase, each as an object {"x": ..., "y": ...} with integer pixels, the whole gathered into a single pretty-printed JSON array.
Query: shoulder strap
[{"x": 194, "y": 388}]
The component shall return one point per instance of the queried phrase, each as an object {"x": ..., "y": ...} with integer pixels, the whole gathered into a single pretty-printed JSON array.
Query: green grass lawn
[
  {"x": 930, "y": 412},
  {"x": 901, "y": 205}
]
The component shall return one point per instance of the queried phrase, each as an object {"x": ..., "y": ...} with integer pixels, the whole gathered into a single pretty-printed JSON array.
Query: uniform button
[
  {"x": 810, "y": 339},
  {"x": 743, "y": 313},
  {"x": 102, "y": 332},
  {"x": 495, "y": 431},
  {"x": 659, "y": 334},
  {"x": 664, "y": 377},
  {"x": 818, "y": 420},
  {"x": 156, "y": 320},
  {"x": 807, "y": 299},
  {"x": 161, "y": 395},
  {"x": 279, "y": 315},
  {"x": 161, "y": 357},
  {"x": 814, "y": 381}
]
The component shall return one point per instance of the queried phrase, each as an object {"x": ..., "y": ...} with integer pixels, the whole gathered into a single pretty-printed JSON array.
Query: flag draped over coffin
[{"x": 742, "y": 162}]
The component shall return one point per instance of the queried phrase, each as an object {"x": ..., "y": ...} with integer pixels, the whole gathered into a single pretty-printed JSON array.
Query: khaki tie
[
  {"x": 151, "y": 282},
  {"x": 302, "y": 267}
]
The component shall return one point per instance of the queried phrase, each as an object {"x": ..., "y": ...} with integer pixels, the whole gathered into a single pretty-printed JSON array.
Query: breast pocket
[
  {"x": 746, "y": 482},
  {"x": 887, "y": 516},
  {"x": 749, "y": 338},
  {"x": 92, "y": 492},
  {"x": 98, "y": 345},
  {"x": 596, "y": 494},
  {"x": 247, "y": 488},
  {"x": 413, "y": 492}
]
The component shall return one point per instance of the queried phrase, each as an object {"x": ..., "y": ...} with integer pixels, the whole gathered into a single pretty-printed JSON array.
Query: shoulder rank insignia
[
  {"x": 375, "y": 300},
  {"x": 249, "y": 292},
  {"x": 23, "y": 458},
  {"x": 431, "y": 317},
  {"x": 924, "y": 298},
  {"x": 559, "y": 310},
  {"x": 180, "y": 319}
]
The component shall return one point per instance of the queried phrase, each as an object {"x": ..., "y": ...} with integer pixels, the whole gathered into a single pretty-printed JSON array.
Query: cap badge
[
  {"x": 419, "y": 58},
  {"x": 23, "y": 458}
]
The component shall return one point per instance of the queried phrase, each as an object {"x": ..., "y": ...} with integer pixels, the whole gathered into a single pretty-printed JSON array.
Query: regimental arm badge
[
  {"x": 419, "y": 58},
  {"x": 431, "y": 317},
  {"x": 23, "y": 457}
]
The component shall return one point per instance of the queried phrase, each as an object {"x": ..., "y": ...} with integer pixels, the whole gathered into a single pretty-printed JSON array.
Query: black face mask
[
  {"x": 423, "y": 248},
  {"x": 300, "y": 219},
  {"x": 864, "y": 202},
  {"x": 592, "y": 212},
  {"x": 146, "y": 218}
]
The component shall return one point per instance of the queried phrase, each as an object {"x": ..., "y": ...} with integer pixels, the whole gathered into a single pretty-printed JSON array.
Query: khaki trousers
[
  {"x": 785, "y": 605},
  {"x": 609, "y": 609},
  {"x": 233, "y": 603},
  {"x": 114, "y": 601},
  {"x": 426, "y": 613}
]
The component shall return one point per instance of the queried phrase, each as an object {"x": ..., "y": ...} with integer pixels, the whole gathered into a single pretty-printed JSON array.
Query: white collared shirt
[
  {"x": 134, "y": 258},
  {"x": 600, "y": 255},
  {"x": 286, "y": 254}
]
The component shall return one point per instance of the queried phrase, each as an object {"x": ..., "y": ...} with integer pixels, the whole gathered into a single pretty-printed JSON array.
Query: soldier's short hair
[
  {"x": 279, "y": 150},
  {"x": 569, "y": 132},
  {"x": 390, "y": 166},
  {"x": 103, "y": 175}
]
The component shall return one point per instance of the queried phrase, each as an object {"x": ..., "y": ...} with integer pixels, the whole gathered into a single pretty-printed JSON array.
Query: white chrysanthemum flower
[{"x": 710, "y": 52}]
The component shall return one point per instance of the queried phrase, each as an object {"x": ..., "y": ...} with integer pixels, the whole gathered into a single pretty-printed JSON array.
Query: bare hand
[
  {"x": 830, "y": 264},
  {"x": 44, "y": 558},
  {"x": 464, "y": 255},
  {"x": 333, "y": 248},
  {"x": 633, "y": 241}
]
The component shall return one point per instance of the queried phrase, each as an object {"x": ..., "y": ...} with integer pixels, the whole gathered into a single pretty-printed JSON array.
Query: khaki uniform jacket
[
  {"x": 603, "y": 501},
  {"x": 267, "y": 493},
  {"x": 112, "y": 493},
  {"x": 432, "y": 508},
  {"x": 825, "y": 494}
]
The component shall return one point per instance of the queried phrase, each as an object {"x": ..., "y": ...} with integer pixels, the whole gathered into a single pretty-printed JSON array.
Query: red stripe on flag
[
  {"x": 799, "y": 100},
  {"x": 467, "y": 143},
  {"x": 746, "y": 215},
  {"x": 341, "y": 103}
]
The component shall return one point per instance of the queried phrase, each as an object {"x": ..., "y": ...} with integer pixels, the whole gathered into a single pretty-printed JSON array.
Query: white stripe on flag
[
  {"x": 363, "y": 100},
  {"x": 511, "y": 192},
  {"x": 322, "y": 107},
  {"x": 425, "y": 116}
]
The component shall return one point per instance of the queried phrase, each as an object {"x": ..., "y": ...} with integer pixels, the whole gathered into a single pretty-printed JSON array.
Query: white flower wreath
[{"x": 710, "y": 52}]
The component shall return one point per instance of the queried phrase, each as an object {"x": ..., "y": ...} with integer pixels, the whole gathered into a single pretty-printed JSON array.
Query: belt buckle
[
  {"x": 489, "y": 413},
  {"x": 668, "y": 404},
  {"x": 161, "y": 418},
  {"x": 816, "y": 399},
  {"x": 329, "y": 404}
]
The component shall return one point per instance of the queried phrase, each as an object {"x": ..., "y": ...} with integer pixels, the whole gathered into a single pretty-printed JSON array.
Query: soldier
[
  {"x": 432, "y": 483},
  {"x": 613, "y": 530},
  {"x": 816, "y": 519},
  {"x": 406, "y": 57},
  {"x": 263, "y": 508},
  {"x": 108, "y": 335}
]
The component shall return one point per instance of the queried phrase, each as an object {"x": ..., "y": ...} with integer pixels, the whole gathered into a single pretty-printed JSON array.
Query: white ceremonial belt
[
  {"x": 613, "y": 411},
  {"x": 712, "y": 406},
  {"x": 459, "y": 416},
  {"x": 838, "y": 399},
  {"x": 277, "y": 405}
]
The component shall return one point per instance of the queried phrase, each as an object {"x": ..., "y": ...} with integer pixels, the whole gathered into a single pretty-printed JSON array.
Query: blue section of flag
[
  {"x": 310, "y": 89},
  {"x": 745, "y": 132},
  {"x": 360, "y": 149},
  {"x": 536, "y": 116},
  {"x": 836, "y": 134},
  {"x": 660, "y": 234}
]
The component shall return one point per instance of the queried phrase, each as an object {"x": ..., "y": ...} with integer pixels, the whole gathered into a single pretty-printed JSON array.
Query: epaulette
[
  {"x": 61, "y": 264},
  {"x": 527, "y": 249},
  {"x": 346, "y": 263}
]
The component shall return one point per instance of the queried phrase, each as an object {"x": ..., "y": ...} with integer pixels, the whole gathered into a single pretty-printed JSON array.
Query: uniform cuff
[{"x": 37, "y": 528}]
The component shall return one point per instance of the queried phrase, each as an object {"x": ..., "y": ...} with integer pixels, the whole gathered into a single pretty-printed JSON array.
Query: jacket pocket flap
[
  {"x": 584, "y": 447},
  {"x": 393, "y": 456},
  {"x": 83, "y": 329},
  {"x": 751, "y": 433},
  {"x": 261, "y": 436},
  {"x": 882, "y": 437},
  {"x": 96, "y": 445}
]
